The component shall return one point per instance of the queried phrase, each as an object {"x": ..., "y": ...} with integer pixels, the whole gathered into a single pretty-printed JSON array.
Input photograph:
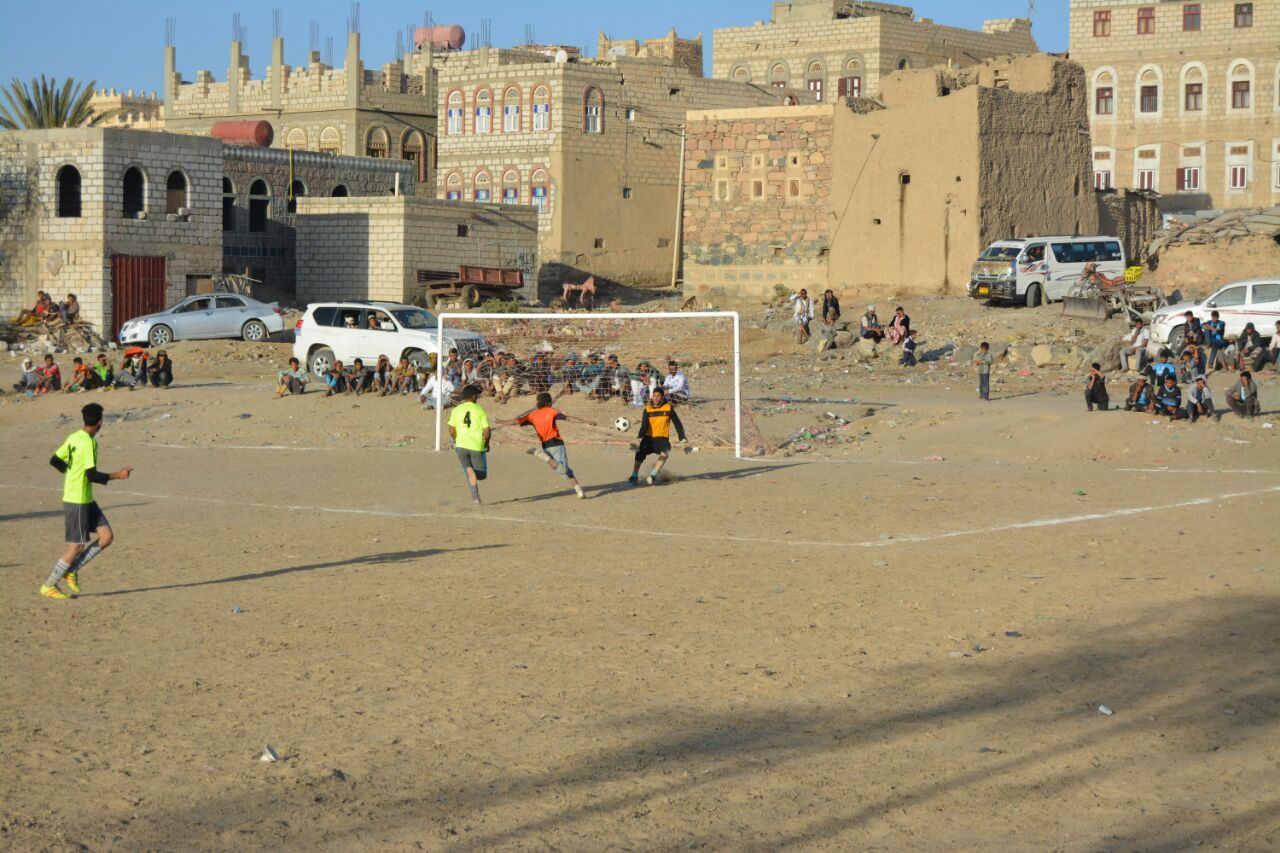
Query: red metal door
[{"x": 137, "y": 288}]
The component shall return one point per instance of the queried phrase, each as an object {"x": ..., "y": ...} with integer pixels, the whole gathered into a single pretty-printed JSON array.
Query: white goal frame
[{"x": 569, "y": 318}]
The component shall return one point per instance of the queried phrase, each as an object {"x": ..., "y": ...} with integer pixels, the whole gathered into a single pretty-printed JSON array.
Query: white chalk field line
[{"x": 709, "y": 537}]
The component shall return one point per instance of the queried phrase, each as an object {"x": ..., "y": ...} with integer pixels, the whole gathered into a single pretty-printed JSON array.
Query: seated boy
[
  {"x": 80, "y": 376},
  {"x": 48, "y": 377},
  {"x": 335, "y": 379}
]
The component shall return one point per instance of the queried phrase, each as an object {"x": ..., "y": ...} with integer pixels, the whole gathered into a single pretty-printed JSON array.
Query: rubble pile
[
  {"x": 42, "y": 337},
  {"x": 1225, "y": 228}
]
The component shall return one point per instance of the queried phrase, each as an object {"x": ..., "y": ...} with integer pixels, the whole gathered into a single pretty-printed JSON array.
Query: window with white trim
[
  {"x": 481, "y": 187},
  {"x": 453, "y": 187},
  {"x": 511, "y": 111},
  {"x": 593, "y": 111},
  {"x": 538, "y": 190},
  {"x": 1101, "y": 179},
  {"x": 541, "y": 108},
  {"x": 484, "y": 111},
  {"x": 1188, "y": 178},
  {"x": 1238, "y": 178},
  {"x": 454, "y": 121}
]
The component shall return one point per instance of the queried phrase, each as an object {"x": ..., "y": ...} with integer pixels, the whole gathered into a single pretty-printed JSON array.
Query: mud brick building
[
  {"x": 375, "y": 247},
  {"x": 594, "y": 145},
  {"x": 836, "y": 48},
  {"x": 1184, "y": 98},
  {"x": 901, "y": 198},
  {"x": 386, "y": 114}
]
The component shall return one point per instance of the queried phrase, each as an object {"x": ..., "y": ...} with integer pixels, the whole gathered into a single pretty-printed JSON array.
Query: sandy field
[{"x": 897, "y": 639}]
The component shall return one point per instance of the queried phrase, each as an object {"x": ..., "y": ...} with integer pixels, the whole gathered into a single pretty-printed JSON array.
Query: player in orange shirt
[{"x": 543, "y": 420}]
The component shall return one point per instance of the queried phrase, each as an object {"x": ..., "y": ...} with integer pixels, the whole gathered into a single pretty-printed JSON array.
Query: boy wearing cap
[
  {"x": 469, "y": 429},
  {"x": 553, "y": 452}
]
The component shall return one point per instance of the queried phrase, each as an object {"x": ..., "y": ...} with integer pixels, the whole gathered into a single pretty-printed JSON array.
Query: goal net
[{"x": 600, "y": 367}]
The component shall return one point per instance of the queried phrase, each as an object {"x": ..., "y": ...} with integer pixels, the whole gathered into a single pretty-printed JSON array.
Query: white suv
[
  {"x": 330, "y": 331},
  {"x": 1255, "y": 301}
]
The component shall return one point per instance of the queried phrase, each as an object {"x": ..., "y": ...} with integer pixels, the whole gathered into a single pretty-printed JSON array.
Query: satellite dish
[
  {"x": 562, "y": 56},
  {"x": 616, "y": 51}
]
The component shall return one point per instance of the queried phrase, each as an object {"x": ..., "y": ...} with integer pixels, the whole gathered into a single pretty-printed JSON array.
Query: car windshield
[
  {"x": 1000, "y": 253},
  {"x": 415, "y": 318}
]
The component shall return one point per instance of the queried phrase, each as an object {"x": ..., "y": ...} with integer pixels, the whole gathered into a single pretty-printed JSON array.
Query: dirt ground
[{"x": 898, "y": 639}]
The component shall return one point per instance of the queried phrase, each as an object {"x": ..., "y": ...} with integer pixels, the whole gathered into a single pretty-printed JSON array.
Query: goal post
[{"x": 704, "y": 344}]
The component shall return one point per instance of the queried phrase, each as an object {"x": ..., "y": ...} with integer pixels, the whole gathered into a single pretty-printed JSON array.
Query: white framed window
[
  {"x": 1149, "y": 102},
  {"x": 538, "y": 190},
  {"x": 1146, "y": 179},
  {"x": 1239, "y": 162},
  {"x": 1238, "y": 178},
  {"x": 1240, "y": 88},
  {"x": 541, "y": 108},
  {"x": 593, "y": 111},
  {"x": 484, "y": 111},
  {"x": 511, "y": 111},
  {"x": 453, "y": 123},
  {"x": 1146, "y": 168},
  {"x": 1104, "y": 93},
  {"x": 1188, "y": 178},
  {"x": 1101, "y": 179}
]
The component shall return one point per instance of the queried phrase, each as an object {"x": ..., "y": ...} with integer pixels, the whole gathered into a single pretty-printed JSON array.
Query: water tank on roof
[
  {"x": 451, "y": 37},
  {"x": 256, "y": 134}
]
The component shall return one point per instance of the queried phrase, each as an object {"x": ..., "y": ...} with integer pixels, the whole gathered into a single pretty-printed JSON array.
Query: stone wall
[{"x": 372, "y": 248}]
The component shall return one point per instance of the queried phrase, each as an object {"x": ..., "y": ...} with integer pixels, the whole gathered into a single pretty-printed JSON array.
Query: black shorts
[
  {"x": 650, "y": 446},
  {"x": 82, "y": 521}
]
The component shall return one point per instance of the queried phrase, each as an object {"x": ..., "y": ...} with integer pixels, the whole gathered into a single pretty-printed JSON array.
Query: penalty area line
[{"x": 1122, "y": 512}]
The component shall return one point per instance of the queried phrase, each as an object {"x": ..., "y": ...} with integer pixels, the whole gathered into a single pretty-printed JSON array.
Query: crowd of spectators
[{"x": 136, "y": 369}]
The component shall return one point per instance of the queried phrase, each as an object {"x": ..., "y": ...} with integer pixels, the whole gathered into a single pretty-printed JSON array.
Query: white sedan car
[
  {"x": 214, "y": 315},
  {"x": 1255, "y": 301}
]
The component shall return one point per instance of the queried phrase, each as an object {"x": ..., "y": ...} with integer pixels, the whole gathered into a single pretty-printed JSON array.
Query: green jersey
[
  {"x": 80, "y": 452},
  {"x": 470, "y": 422}
]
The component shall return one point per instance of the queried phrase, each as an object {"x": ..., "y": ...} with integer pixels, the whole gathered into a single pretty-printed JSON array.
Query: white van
[{"x": 1035, "y": 270}]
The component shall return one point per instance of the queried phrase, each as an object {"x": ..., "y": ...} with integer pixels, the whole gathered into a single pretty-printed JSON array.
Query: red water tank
[
  {"x": 451, "y": 37},
  {"x": 256, "y": 134}
]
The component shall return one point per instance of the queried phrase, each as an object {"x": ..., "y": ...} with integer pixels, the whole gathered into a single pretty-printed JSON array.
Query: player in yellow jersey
[
  {"x": 77, "y": 458},
  {"x": 655, "y": 435},
  {"x": 469, "y": 429}
]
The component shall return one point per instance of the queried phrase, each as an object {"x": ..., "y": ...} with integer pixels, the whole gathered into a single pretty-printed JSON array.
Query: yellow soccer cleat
[
  {"x": 53, "y": 592},
  {"x": 73, "y": 582}
]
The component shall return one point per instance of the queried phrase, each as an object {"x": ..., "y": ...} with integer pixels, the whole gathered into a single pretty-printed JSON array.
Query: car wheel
[
  {"x": 254, "y": 330},
  {"x": 160, "y": 336},
  {"x": 1177, "y": 337},
  {"x": 1033, "y": 296},
  {"x": 320, "y": 362}
]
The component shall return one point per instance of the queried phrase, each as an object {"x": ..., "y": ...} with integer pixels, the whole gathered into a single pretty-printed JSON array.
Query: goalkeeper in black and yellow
[
  {"x": 77, "y": 458},
  {"x": 655, "y": 435}
]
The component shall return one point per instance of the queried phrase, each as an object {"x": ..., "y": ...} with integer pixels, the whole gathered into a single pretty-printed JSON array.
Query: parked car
[
  {"x": 347, "y": 330},
  {"x": 1036, "y": 270},
  {"x": 1255, "y": 301},
  {"x": 213, "y": 315}
]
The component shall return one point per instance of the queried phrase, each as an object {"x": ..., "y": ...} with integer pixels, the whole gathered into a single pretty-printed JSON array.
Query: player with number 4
[{"x": 469, "y": 429}]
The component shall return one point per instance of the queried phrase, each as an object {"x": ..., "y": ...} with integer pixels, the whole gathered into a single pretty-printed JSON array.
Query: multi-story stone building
[
  {"x": 347, "y": 110},
  {"x": 594, "y": 145},
  {"x": 836, "y": 48},
  {"x": 140, "y": 111},
  {"x": 1184, "y": 98}
]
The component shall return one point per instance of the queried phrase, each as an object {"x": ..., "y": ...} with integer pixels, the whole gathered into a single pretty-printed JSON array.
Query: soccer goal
[{"x": 601, "y": 367}]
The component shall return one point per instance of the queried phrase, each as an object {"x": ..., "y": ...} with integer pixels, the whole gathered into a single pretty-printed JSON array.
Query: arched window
[
  {"x": 593, "y": 111},
  {"x": 228, "y": 205},
  {"x": 1240, "y": 96},
  {"x": 741, "y": 74},
  {"x": 297, "y": 190},
  {"x": 69, "y": 192},
  {"x": 175, "y": 192},
  {"x": 511, "y": 187},
  {"x": 904, "y": 63},
  {"x": 375, "y": 144},
  {"x": 1193, "y": 82},
  {"x": 511, "y": 111},
  {"x": 135, "y": 192},
  {"x": 259, "y": 205},
  {"x": 484, "y": 111},
  {"x": 414, "y": 149},
  {"x": 779, "y": 75},
  {"x": 1149, "y": 94},
  {"x": 1104, "y": 93},
  {"x": 815, "y": 78},
  {"x": 538, "y": 190},
  {"x": 850, "y": 85},
  {"x": 456, "y": 105},
  {"x": 541, "y": 108},
  {"x": 481, "y": 186},
  {"x": 339, "y": 191},
  {"x": 297, "y": 139},
  {"x": 330, "y": 141},
  {"x": 453, "y": 187}
]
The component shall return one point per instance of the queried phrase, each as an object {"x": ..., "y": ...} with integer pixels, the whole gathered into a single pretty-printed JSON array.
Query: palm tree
[{"x": 44, "y": 104}]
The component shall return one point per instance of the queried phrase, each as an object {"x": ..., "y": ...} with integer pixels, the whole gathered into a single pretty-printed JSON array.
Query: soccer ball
[{"x": 622, "y": 424}]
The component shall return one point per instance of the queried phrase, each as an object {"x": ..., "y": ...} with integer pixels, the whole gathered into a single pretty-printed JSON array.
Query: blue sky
[{"x": 121, "y": 44}]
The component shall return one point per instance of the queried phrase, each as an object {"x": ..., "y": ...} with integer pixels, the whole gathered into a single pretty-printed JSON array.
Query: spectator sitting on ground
[
  {"x": 830, "y": 307},
  {"x": 1186, "y": 368},
  {"x": 506, "y": 380},
  {"x": 909, "y": 349},
  {"x": 898, "y": 326},
  {"x": 293, "y": 380},
  {"x": 28, "y": 381},
  {"x": 357, "y": 377},
  {"x": 1215, "y": 336},
  {"x": 127, "y": 372},
  {"x": 468, "y": 374},
  {"x": 675, "y": 385},
  {"x": 1133, "y": 353},
  {"x": 380, "y": 382},
  {"x": 1139, "y": 399},
  {"x": 1169, "y": 399},
  {"x": 48, "y": 376},
  {"x": 69, "y": 310},
  {"x": 643, "y": 383},
  {"x": 591, "y": 378},
  {"x": 80, "y": 376},
  {"x": 1095, "y": 389},
  {"x": 437, "y": 394},
  {"x": 1248, "y": 347},
  {"x": 569, "y": 375},
  {"x": 335, "y": 379},
  {"x": 27, "y": 317},
  {"x": 870, "y": 325},
  {"x": 161, "y": 370},
  {"x": 103, "y": 376},
  {"x": 405, "y": 377},
  {"x": 1199, "y": 400},
  {"x": 538, "y": 374},
  {"x": 1158, "y": 370},
  {"x": 453, "y": 367},
  {"x": 1242, "y": 397},
  {"x": 488, "y": 366},
  {"x": 619, "y": 378}
]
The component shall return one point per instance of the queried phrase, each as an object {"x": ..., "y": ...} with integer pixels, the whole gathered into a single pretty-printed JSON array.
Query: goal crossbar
[{"x": 569, "y": 318}]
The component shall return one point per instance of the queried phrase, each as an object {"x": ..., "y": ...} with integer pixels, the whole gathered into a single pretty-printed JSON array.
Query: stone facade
[
  {"x": 834, "y": 48},
  {"x": 387, "y": 114},
  {"x": 373, "y": 248},
  {"x": 1184, "y": 98},
  {"x": 141, "y": 111},
  {"x": 594, "y": 144},
  {"x": 900, "y": 199},
  {"x": 47, "y": 242}
]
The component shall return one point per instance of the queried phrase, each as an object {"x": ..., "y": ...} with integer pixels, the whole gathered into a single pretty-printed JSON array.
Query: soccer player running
[
  {"x": 469, "y": 429},
  {"x": 553, "y": 452},
  {"x": 655, "y": 435},
  {"x": 77, "y": 458}
]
